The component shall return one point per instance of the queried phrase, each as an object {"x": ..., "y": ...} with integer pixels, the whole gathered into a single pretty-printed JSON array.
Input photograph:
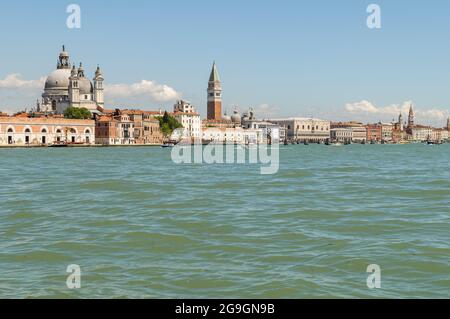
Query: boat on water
[
  {"x": 168, "y": 145},
  {"x": 337, "y": 144},
  {"x": 306, "y": 143},
  {"x": 59, "y": 144}
]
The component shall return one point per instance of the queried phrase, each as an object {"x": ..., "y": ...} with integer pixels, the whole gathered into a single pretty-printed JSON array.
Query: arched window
[
  {"x": 87, "y": 131},
  {"x": 58, "y": 131},
  {"x": 44, "y": 131},
  {"x": 10, "y": 130},
  {"x": 27, "y": 130}
]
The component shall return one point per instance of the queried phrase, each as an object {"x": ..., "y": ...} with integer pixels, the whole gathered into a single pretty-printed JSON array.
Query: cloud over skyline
[
  {"x": 17, "y": 93},
  {"x": 14, "y": 81},
  {"x": 369, "y": 110},
  {"x": 145, "y": 89}
]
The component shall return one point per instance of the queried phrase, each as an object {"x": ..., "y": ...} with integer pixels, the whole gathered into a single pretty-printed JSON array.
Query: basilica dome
[{"x": 58, "y": 80}]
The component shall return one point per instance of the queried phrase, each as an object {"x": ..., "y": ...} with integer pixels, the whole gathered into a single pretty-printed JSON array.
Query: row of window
[
  {"x": 309, "y": 127},
  {"x": 44, "y": 131}
]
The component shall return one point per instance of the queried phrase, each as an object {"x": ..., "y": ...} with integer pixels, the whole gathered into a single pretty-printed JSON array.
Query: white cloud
[
  {"x": 144, "y": 89},
  {"x": 369, "y": 109},
  {"x": 15, "y": 81}
]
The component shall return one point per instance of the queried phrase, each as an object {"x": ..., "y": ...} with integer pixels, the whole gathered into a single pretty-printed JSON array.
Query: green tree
[
  {"x": 77, "y": 113},
  {"x": 168, "y": 124}
]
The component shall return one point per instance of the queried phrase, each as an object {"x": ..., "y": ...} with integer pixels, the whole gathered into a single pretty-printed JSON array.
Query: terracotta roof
[{"x": 105, "y": 118}]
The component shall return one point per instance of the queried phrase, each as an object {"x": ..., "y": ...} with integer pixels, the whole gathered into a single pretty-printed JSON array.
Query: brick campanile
[{"x": 214, "y": 95}]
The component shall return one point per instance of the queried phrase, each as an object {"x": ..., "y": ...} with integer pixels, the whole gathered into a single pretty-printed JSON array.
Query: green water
[{"x": 140, "y": 226}]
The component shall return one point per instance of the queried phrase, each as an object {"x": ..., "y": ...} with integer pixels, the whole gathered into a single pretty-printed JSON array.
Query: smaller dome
[
  {"x": 226, "y": 118},
  {"x": 236, "y": 117},
  {"x": 85, "y": 86}
]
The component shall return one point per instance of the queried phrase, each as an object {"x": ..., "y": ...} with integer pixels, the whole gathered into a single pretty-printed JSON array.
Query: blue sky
[{"x": 293, "y": 58}]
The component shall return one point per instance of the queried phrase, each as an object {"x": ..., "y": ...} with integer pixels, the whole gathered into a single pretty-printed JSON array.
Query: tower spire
[{"x": 214, "y": 77}]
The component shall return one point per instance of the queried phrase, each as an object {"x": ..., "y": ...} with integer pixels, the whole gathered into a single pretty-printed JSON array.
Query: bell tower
[
  {"x": 411, "y": 117},
  {"x": 74, "y": 88},
  {"x": 98, "y": 88},
  {"x": 214, "y": 95}
]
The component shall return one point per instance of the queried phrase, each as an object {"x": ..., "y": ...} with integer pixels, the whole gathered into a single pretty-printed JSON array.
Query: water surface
[{"x": 142, "y": 227}]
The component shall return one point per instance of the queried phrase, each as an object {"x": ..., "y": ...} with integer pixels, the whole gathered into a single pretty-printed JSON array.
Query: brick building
[{"x": 374, "y": 132}]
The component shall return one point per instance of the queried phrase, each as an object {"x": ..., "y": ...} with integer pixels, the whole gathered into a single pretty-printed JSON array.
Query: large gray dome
[{"x": 58, "y": 80}]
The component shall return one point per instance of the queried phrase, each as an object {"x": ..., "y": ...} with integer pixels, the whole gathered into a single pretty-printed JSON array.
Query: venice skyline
[{"x": 331, "y": 67}]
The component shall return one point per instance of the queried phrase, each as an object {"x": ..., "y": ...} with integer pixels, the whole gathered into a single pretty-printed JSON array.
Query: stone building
[
  {"x": 358, "y": 130},
  {"x": 305, "y": 129},
  {"x": 386, "y": 131},
  {"x": 341, "y": 135},
  {"x": 185, "y": 113},
  {"x": 146, "y": 127},
  {"x": 44, "y": 131}
]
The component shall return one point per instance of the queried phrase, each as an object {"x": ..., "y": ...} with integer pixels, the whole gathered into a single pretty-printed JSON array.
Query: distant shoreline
[{"x": 160, "y": 145}]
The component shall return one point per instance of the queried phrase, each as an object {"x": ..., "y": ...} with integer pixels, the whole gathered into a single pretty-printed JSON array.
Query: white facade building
[
  {"x": 186, "y": 114},
  {"x": 421, "y": 133},
  {"x": 342, "y": 135},
  {"x": 305, "y": 129},
  {"x": 386, "y": 131}
]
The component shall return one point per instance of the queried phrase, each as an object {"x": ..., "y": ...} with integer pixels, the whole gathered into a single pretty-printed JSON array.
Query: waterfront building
[
  {"x": 146, "y": 127},
  {"x": 358, "y": 130},
  {"x": 420, "y": 133},
  {"x": 386, "y": 132},
  {"x": 185, "y": 113},
  {"x": 305, "y": 129},
  {"x": 444, "y": 133},
  {"x": 439, "y": 135},
  {"x": 270, "y": 132},
  {"x": 341, "y": 135},
  {"x": 23, "y": 130},
  {"x": 114, "y": 129},
  {"x": 69, "y": 87},
  {"x": 223, "y": 135},
  {"x": 214, "y": 96},
  {"x": 374, "y": 132}
]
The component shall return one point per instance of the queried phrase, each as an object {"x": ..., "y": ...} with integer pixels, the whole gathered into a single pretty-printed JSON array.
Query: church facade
[{"x": 68, "y": 86}]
